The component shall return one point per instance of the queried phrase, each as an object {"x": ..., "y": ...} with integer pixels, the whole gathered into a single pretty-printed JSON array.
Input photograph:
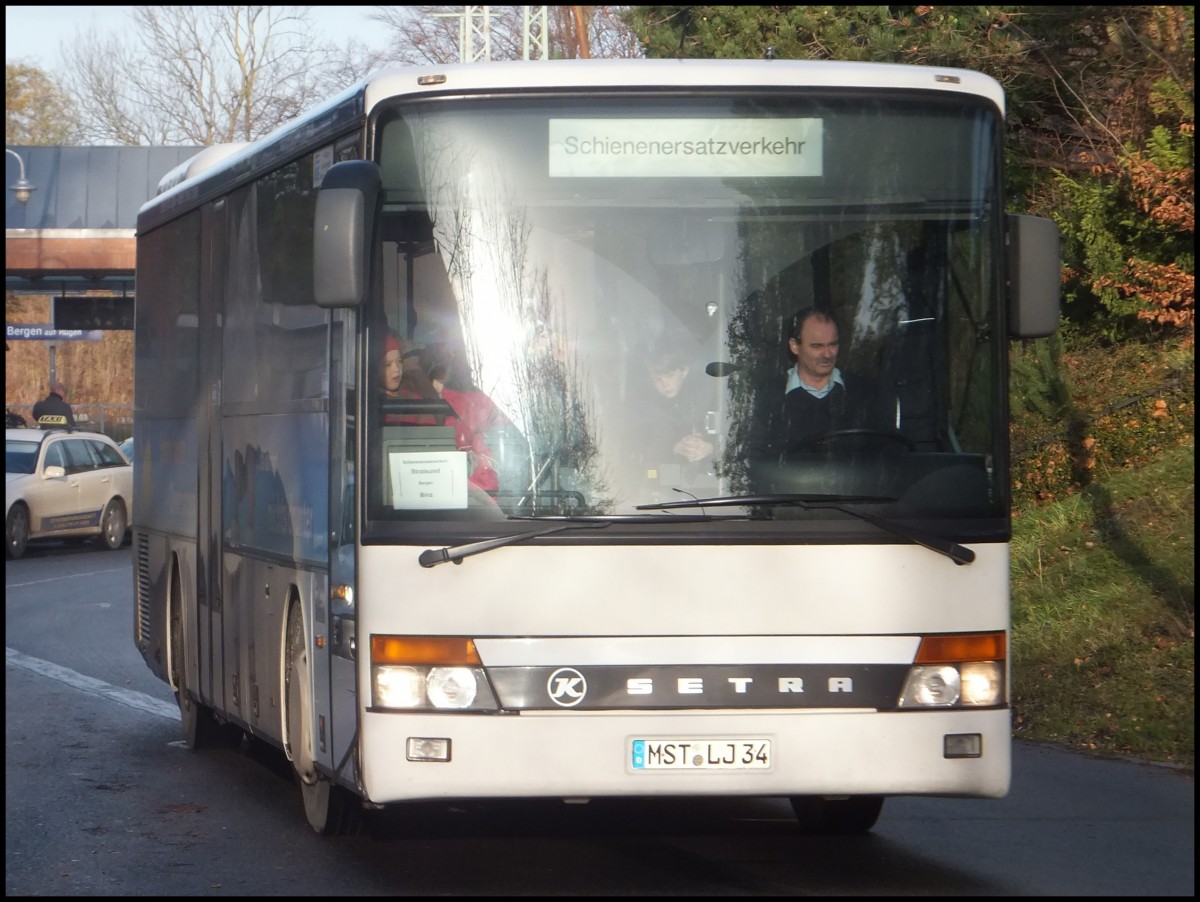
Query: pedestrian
[{"x": 53, "y": 411}]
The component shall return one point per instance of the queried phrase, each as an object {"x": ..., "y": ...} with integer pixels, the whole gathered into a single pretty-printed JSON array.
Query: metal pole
[
  {"x": 21, "y": 189},
  {"x": 53, "y": 375},
  {"x": 534, "y": 36}
]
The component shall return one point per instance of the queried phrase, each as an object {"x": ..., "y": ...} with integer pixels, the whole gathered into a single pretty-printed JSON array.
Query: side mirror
[
  {"x": 343, "y": 230},
  {"x": 1034, "y": 276}
]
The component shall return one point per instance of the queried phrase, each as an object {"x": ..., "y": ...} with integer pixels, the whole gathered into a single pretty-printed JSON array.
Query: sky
[{"x": 35, "y": 34}]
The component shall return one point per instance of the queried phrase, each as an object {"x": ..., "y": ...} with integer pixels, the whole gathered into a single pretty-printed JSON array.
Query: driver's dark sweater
[{"x": 852, "y": 404}]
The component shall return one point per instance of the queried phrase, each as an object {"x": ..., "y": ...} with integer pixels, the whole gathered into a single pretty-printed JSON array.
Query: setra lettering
[{"x": 740, "y": 685}]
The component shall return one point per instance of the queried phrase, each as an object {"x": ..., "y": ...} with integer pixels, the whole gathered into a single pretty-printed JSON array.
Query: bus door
[
  {"x": 210, "y": 458},
  {"x": 343, "y": 479}
]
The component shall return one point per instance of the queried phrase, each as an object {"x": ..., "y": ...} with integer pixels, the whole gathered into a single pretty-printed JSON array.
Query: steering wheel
[{"x": 834, "y": 436}]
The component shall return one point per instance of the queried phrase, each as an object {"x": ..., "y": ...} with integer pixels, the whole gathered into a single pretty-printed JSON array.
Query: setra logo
[{"x": 566, "y": 687}]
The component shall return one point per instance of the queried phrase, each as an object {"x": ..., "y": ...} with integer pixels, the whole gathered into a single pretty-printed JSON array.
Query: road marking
[
  {"x": 54, "y": 579},
  {"x": 127, "y": 697}
]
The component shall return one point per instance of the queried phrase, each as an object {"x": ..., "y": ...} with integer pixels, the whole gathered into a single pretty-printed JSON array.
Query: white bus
[{"x": 511, "y": 578}]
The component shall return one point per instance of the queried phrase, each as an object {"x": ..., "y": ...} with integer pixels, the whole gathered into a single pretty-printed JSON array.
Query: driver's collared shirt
[{"x": 794, "y": 381}]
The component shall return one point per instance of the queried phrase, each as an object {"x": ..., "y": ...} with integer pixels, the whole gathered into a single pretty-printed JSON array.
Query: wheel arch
[
  {"x": 293, "y": 602},
  {"x": 174, "y": 593}
]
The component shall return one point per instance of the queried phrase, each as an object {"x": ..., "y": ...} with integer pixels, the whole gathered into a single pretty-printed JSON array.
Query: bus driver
[{"x": 818, "y": 397}]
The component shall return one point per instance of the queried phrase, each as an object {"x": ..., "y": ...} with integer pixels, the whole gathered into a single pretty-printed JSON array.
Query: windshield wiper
[
  {"x": 454, "y": 554},
  {"x": 957, "y": 553}
]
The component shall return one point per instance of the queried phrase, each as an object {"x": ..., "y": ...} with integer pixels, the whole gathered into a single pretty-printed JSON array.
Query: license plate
[{"x": 701, "y": 754}]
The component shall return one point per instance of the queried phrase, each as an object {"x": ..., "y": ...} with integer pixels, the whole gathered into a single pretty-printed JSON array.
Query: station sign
[{"x": 47, "y": 332}]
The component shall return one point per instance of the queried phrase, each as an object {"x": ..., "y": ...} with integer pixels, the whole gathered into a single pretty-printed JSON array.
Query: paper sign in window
[{"x": 428, "y": 479}]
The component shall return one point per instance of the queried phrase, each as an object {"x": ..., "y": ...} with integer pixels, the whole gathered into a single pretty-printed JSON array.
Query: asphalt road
[{"x": 102, "y": 798}]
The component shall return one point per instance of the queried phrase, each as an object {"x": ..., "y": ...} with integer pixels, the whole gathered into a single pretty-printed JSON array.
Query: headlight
[
  {"x": 398, "y": 687},
  {"x": 406, "y": 687},
  {"x": 957, "y": 670},
  {"x": 982, "y": 683},
  {"x": 451, "y": 687},
  {"x": 931, "y": 687},
  {"x": 973, "y": 684},
  {"x": 428, "y": 673}
]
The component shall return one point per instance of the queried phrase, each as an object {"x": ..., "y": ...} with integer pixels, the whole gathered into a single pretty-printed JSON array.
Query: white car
[{"x": 64, "y": 483}]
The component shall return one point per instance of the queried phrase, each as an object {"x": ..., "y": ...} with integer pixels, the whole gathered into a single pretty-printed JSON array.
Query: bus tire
[
  {"x": 331, "y": 810},
  {"x": 201, "y": 729},
  {"x": 841, "y": 817}
]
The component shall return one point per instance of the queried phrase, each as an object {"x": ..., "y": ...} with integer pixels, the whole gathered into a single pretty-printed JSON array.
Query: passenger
[
  {"x": 475, "y": 415},
  {"x": 402, "y": 380},
  {"x": 671, "y": 411},
  {"x": 415, "y": 382},
  {"x": 391, "y": 367}
]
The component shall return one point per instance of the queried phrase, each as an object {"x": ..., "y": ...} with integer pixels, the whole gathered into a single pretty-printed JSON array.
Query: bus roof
[
  {"x": 223, "y": 166},
  {"x": 627, "y": 73}
]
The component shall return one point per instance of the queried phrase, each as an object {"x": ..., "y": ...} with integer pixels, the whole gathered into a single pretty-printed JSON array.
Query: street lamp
[{"x": 21, "y": 188}]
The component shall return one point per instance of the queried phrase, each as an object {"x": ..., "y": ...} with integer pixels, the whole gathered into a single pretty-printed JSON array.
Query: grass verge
[{"x": 1103, "y": 588}]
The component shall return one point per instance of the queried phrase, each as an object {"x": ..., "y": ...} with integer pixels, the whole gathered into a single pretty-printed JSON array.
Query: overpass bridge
[
  {"x": 75, "y": 233},
  {"x": 72, "y": 236}
]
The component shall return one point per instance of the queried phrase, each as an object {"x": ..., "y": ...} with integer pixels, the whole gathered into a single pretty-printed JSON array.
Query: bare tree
[
  {"x": 212, "y": 74},
  {"x": 432, "y": 34},
  {"x": 204, "y": 74},
  {"x": 606, "y": 34},
  {"x": 349, "y": 65}
]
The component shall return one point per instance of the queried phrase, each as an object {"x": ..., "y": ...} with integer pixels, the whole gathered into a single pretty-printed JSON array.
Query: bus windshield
[{"x": 590, "y": 306}]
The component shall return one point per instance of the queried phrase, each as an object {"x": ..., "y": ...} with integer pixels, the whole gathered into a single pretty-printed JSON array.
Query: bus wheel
[
  {"x": 201, "y": 729},
  {"x": 844, "y": 817},
  {"x": 331, "y": 810}
]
